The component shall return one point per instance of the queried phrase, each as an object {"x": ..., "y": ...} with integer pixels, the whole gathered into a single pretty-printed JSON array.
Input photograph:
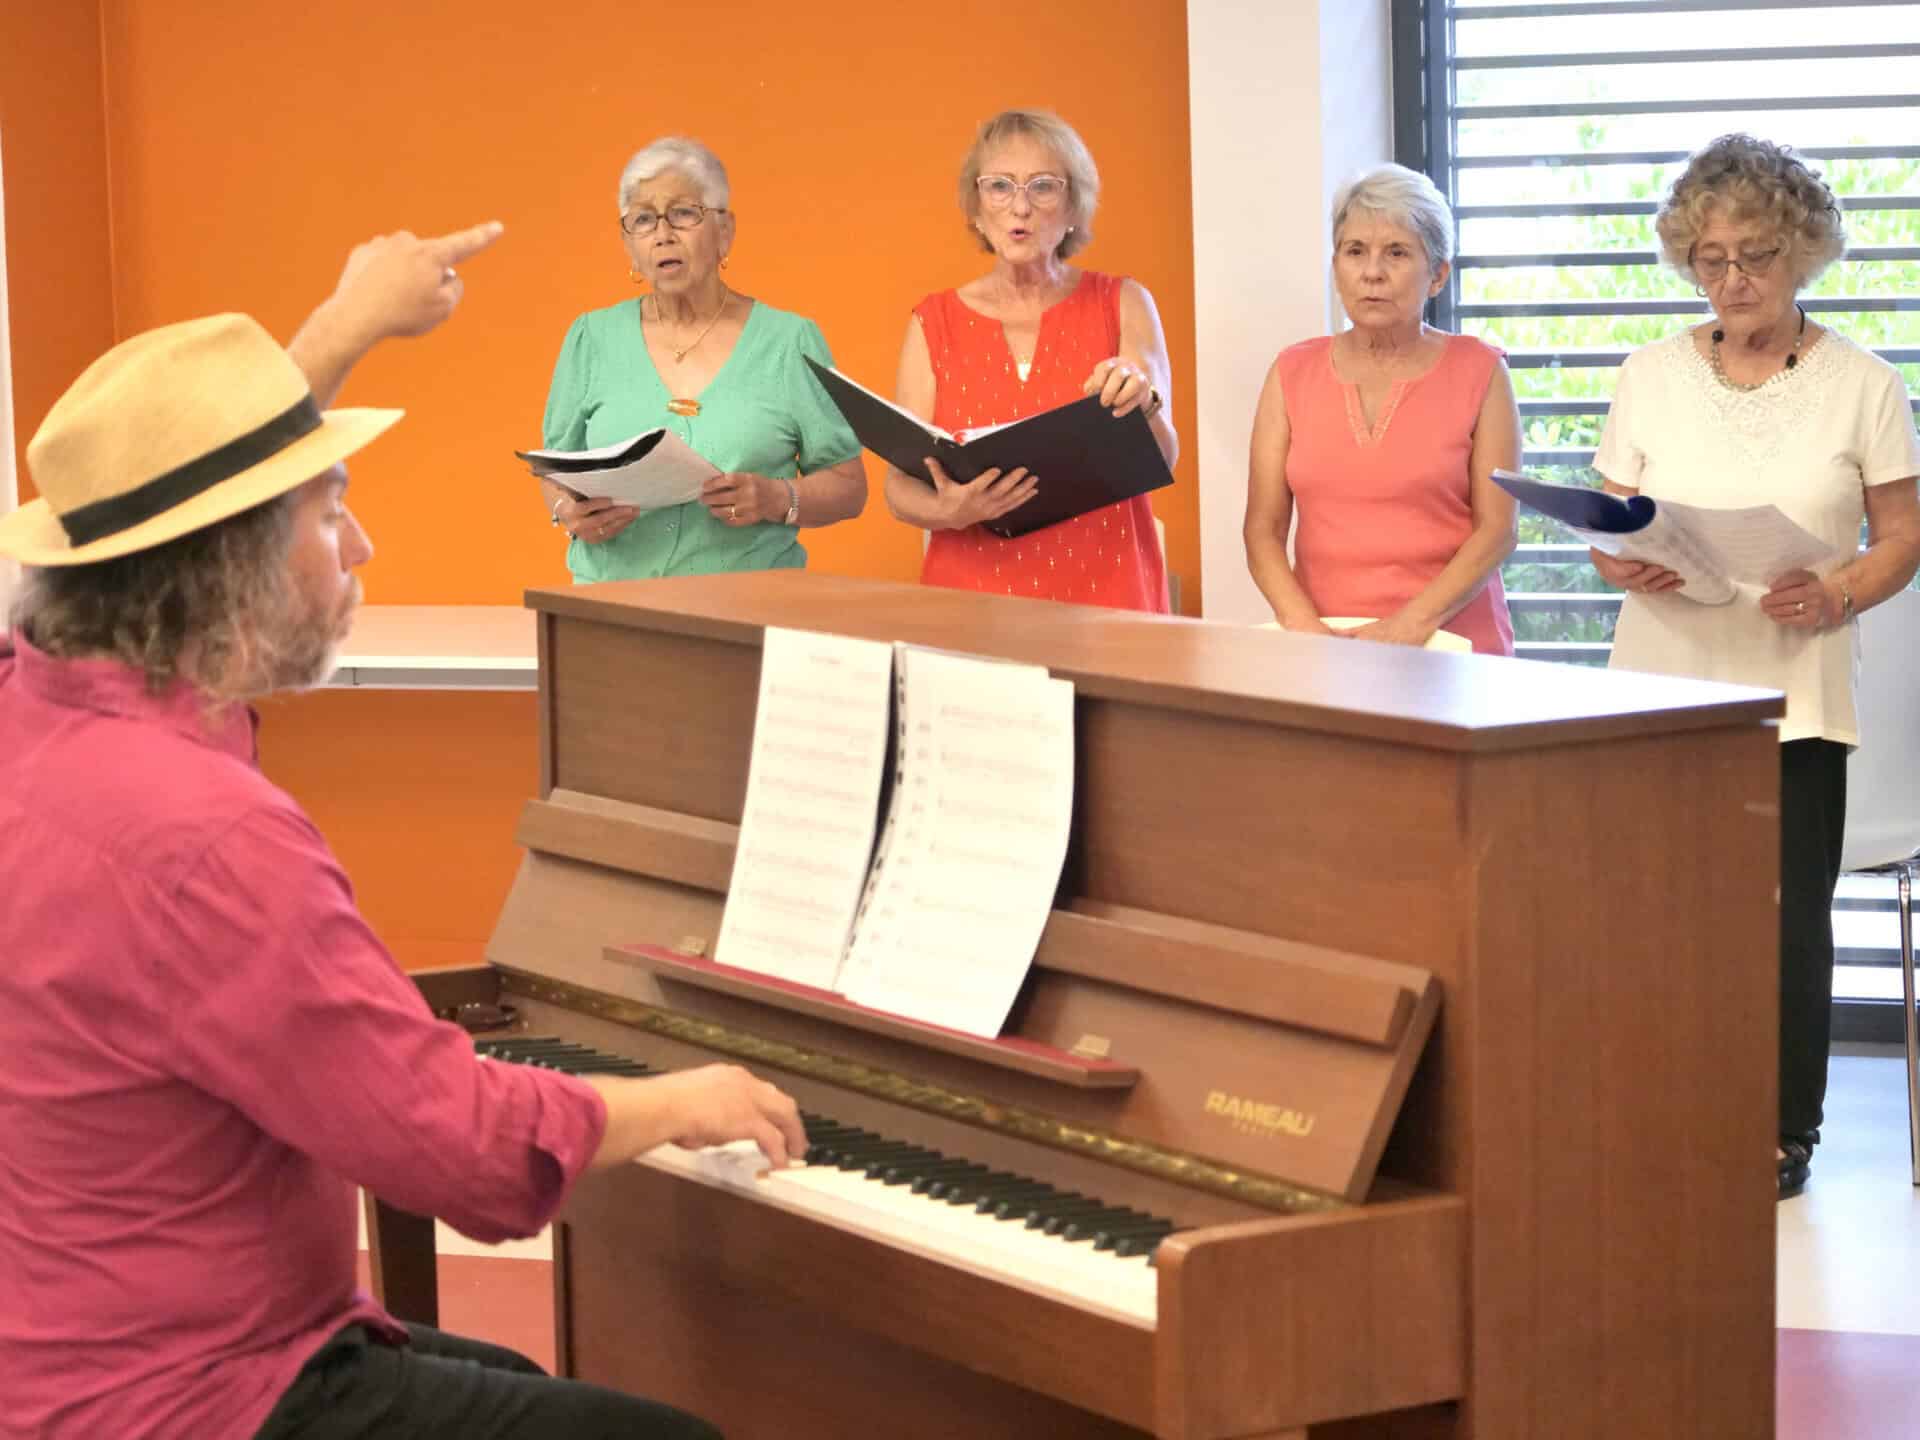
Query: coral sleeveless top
[
  {"x": 1383, "y": 509},
  {"x": 1109, "y": 556}
]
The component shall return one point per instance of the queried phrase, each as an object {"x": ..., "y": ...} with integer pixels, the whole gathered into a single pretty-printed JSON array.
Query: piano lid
[{"x": 1474, "y": 703}]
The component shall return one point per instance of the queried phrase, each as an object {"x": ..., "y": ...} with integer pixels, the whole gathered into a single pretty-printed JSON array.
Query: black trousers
[
  {"x": 1813, "y": 817},
  {"x": 443, "y": 1387}
]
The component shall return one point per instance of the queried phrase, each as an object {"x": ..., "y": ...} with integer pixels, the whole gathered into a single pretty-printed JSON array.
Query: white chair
[{"x": 1883, "y": 793}]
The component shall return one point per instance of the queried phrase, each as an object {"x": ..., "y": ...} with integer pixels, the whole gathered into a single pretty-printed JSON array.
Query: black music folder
[{"x": 1084, "y": 458}]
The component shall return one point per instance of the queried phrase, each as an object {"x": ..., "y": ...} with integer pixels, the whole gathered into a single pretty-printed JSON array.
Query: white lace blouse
[{"x": 1810, "y": 440}]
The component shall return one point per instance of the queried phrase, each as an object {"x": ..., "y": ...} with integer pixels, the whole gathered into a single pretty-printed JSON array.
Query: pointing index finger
[{"x": 465, "y": 244}]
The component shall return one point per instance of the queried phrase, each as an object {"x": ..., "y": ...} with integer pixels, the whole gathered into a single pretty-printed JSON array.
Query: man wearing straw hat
[{"x": 202, "y": 1046}]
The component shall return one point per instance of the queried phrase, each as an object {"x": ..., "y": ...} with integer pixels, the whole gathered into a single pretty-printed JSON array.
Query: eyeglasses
[
  {"x": 684, "y": 216},
  {"x": 1043, "y": 192},
  {"x": 1712, "y": 269}
]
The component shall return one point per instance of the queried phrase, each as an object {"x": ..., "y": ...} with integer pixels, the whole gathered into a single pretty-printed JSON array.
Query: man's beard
[{"x": 300, "y": 643}]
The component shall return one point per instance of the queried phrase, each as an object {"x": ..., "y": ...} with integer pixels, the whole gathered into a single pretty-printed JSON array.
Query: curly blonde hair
[
  {"x": 1048, "y": 129},
  {"x": 1748, "y": 179},
  {"x": 200, "y": 609}
]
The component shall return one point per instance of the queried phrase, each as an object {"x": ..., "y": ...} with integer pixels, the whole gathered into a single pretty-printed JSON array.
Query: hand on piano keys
[
  {"x": 1014, "y": 1228},
  {"x": 713, "y": 1105}
]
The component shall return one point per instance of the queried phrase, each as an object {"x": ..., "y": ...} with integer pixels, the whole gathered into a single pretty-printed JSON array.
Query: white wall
[{"x": 1287, "y": 99}]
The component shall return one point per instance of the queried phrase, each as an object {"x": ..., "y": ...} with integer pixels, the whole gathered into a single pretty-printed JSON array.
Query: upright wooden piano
[{"x": 1292, "y": 858}]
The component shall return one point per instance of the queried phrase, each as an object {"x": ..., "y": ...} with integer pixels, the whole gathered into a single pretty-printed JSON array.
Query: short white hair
[
  {"x": 1405, "y": 198},
  {"x": 676, "y": 152}
]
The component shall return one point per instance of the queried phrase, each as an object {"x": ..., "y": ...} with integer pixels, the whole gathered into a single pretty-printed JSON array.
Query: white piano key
[{"x": 1121, "y": 1288}]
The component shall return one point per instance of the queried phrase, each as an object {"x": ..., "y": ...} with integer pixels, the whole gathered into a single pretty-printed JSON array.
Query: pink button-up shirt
[{"x": 202, "y": 1050}]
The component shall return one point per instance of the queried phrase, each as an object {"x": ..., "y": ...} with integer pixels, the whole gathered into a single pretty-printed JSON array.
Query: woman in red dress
[{"x": 1033, "y": 333}]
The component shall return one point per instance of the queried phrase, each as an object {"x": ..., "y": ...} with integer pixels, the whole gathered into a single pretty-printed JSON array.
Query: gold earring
[
  {"x": 633, "y": 274},
  {"x": 723, "y": 262}
]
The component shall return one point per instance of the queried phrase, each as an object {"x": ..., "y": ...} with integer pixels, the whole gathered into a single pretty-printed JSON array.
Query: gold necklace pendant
[
  {"x": 687, "y": 349},
  {"x": 688, "y": 408}
]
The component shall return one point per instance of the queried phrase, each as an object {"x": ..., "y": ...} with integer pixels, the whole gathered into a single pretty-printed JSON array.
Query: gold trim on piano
[{"x": 1178, "y": 1166}]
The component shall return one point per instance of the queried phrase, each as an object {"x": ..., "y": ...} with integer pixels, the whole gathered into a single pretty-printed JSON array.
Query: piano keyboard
[{"x": 1012, "y": 1228}]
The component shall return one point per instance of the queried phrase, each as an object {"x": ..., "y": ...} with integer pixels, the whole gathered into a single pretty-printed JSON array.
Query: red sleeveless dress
[{"x": 1109, "y": 556}]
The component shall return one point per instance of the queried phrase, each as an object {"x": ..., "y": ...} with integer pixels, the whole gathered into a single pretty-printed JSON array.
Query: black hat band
[{"x": 101, "y": 518}]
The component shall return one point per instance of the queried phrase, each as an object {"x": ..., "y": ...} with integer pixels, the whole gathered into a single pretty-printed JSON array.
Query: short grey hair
[
  {"x": 1405, "y": 198},
  {"x": 676, "y": 152},
  {"x": 1083, "y": 176}
]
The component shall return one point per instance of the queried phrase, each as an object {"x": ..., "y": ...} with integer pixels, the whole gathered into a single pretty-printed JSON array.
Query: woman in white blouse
[{"x": 1761, "y": 405}]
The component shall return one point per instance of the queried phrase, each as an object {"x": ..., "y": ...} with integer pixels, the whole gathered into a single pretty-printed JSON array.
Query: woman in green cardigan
[{"x": 720, "y": 369}]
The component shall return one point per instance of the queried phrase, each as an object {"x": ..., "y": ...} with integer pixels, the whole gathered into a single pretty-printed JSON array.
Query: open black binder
[{"x": 1084, "y": 457}]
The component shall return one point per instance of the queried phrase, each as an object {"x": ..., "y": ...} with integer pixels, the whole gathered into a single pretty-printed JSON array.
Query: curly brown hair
[
  {"x": 1748, "y": 179},
  {"x": 195, "y": 609}
]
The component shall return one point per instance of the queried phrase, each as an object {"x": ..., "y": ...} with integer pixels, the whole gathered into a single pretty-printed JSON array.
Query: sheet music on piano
[
  {"x": 976, "y": 835},
  {"x": 813, "y": 801},
  {"x": 939, "y": 920}
]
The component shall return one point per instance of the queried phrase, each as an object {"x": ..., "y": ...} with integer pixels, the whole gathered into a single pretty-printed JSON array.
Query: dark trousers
[
  {"x": 1813, "y": 815},
  {"x": 442, "y": 1387}
]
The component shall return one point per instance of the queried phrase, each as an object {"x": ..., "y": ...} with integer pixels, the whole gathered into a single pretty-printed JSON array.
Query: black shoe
[{"x": 1796, "y": 1163}]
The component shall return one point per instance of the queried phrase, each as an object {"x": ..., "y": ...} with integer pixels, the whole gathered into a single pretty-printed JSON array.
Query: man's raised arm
[{"x": 399, "y": 284}]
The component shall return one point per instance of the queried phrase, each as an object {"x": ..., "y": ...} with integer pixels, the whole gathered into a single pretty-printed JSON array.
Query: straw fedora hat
[{"x": 170, "y": 432}]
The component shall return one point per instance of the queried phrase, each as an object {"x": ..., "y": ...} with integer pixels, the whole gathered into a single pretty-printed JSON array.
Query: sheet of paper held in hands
[
  {"x": 975, "y": 838},
  {"x": 813, "y": 797},
  {"x": 1709, "y": 549},
  {"x": 649, "y": 471}
]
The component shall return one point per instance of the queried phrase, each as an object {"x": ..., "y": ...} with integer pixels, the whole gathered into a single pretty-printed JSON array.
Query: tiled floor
[{"x": 1849, "y": 1277}]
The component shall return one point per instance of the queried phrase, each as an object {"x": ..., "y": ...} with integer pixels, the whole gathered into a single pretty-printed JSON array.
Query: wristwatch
[{"x": 793, "y": 504}]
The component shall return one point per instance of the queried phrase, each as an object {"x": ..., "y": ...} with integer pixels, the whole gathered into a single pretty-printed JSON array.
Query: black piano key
[
  {"x": 820, "y": 1125},
  {"x": 935, "y": 1187},
  {"x": 991, "y": 1197},
  {"x": 831, "y": 1134},
  {"x": 858, "y": 1154},
  {"x": 931, "y": 1170},
  {"x": 839, "y": 1150},
  {"x": 923, "y": 1170},
  {"x": 881, "y": 1165},
  {"x": 1073, "y": 1203},
  {"x": 1147, "y": 1245},
  {"x": 995, "y": 1182},
  {"x": 1109, "y": 1236},
  {"x": 1085, "y": 1227},
  {"x": 1057, "y": 1224},
  {"x": 824, "y": 1133},
  {"x": 1024, "y": 1208}
]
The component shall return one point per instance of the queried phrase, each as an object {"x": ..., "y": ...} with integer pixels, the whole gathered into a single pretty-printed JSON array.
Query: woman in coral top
[
  {"x": 1033, "y": 333},
  {"x": 1387, "y": 436}
]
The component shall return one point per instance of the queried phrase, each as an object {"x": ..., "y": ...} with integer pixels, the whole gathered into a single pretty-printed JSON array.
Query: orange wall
[
  {"x": 252, "y": 144},
  {"x": 54, "y": 154},
  {"x": 248, "y": 146}
]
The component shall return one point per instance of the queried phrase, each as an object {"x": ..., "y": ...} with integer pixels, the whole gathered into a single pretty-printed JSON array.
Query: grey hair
[
  {"x": 1405, "y": 198},
  {"x": 676, "y": 152},
  {"x": 1083, "y": 176}
]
